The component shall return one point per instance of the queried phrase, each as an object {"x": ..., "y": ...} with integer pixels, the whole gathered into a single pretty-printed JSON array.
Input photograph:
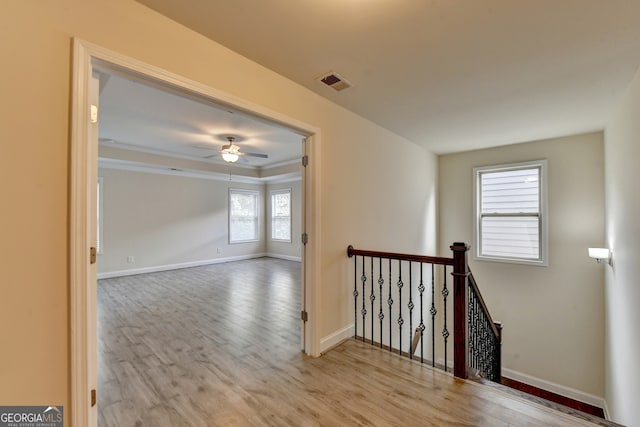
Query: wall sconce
[{"x": 600, "y": 254}]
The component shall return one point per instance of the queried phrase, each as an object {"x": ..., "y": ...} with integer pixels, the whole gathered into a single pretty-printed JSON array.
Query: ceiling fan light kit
[
  {"x": 230, "y": 157},
  {"x": 231, "y": 152}
]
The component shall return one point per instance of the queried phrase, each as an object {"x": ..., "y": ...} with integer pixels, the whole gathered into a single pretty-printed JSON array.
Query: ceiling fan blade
[
  {"x": 202, "y": 146},
  {"x": 210, "y": 156},
  {"x": 262, "y": 156}
]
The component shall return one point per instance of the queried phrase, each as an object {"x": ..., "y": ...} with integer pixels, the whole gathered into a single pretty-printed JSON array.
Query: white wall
[
  {"x": 553, "y": 316},
  {"x": 287, "y": 250},
  {"x": 162, "y": 220},
  {"x": 622, "y": 347},
  {"x": 365, "y": 196}
]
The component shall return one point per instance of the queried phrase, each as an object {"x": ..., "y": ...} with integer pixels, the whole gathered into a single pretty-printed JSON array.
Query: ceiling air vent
[{"x": 335, "y": 81}]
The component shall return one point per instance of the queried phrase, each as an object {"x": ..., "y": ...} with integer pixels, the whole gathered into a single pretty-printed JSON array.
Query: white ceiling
[
  {"x": 138, "y": 116},
  {"x": 450, "y": 75}
]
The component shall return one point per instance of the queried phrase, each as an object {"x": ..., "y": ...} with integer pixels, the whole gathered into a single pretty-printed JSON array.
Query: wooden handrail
[{"x": 398, "y": 256}]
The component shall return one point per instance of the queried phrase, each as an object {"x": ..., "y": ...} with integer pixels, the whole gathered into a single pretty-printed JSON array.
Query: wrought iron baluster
[
  {"x": 433, "y": 312},
  {"x": 364, "y": 308},
  {"x": 380, "y": 313},
  {"x": 400, "y": 319},
  {"x": 410, "y": 306},
  {"x": 355, "y": 296},
  {"x": 445, "y": 331},
  {"x": 372, "y": 298},
  {"x": 473, "y": 321},
  {"x": 421, "y": 289},
  {"x": 390, "y": 303}
]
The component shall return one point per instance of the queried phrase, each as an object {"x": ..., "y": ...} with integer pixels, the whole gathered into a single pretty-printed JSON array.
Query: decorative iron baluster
[
  {"x": 372, "y": 298},
  {"x": 421, "y": 289},
  {"x": 355, "y": 296},
  {"x": 410, "y": 306},
  {"x": 400, "y": 319},
  {"x": 364, "y": 308},
  {"x": 445, "y": 331},
  {"x": 390, "y": 302},
  {"x": 433, "y": 312},
  {"x": 473, "y": 331},
  {"x": 380, "y": 313}
]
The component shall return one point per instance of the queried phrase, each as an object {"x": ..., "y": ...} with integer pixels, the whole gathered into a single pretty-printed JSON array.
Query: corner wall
[
  {"x": 553, "y": 316},
  {"x": 622, "y": 290}
]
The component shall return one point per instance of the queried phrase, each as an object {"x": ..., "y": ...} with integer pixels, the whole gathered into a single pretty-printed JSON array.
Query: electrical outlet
[
  {"x": 130, "y": 259},
  {"x": 219, "y": 251}
]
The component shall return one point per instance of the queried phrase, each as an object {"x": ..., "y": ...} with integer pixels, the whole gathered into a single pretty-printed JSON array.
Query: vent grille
[{"x": 335, "y": 81}]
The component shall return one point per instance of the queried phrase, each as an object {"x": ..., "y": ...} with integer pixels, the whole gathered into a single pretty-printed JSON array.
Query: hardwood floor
[{"x": 219, "y": 346}]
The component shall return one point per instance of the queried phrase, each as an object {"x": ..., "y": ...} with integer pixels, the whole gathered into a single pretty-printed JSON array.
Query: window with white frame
[
  {"x": 243, "y": 215},
  {"x": 281, "y": 215},
  {"x": 510, "y": 223}
]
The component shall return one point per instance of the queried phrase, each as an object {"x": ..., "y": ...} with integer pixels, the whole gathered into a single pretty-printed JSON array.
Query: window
[
  {"x": 243, "y": 216},
  {"x": 99, "y": 219},
  {"x": 510, "y": 223},
  {"x": 281, "y": 215}
]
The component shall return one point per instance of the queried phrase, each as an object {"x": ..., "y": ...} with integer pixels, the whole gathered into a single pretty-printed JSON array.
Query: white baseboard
[
  {"x": 154, "y": 269},
  {"x": 569, "y": 392},
  {"x": 335, "y": 338},
  {"x": 287, "y": 257},
  {"x": 605, "y": 409}
]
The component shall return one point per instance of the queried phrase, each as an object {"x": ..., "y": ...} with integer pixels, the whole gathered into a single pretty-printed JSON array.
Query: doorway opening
[{"x": 92, "y": 64}]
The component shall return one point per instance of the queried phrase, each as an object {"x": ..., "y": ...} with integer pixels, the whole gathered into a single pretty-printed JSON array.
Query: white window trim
[
  {"x": 543, "y": 230},
  {"x": 271, "y": 194},
  {"x": 257, "y": 217},
  {"x": 100, "y": 217}
]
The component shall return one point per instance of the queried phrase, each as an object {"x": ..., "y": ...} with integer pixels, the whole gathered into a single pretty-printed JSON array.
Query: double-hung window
[
  {"x": 281, "y": 215},
  {"x": 510, "y": 220},
  {"x": 243, "y": 216}
]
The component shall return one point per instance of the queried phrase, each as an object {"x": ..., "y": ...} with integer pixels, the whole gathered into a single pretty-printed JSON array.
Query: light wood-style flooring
[{"x": 219, "y": 346}]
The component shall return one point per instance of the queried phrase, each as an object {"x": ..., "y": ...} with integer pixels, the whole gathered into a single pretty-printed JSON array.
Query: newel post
[{"x": 460, "y": 307}]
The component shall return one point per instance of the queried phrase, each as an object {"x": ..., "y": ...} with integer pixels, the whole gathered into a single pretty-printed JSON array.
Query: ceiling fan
[{"x": 230, "y": 152}]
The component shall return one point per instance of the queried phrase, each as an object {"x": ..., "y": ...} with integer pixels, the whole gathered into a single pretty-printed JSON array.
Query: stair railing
[{"x": 392, "y": 291}]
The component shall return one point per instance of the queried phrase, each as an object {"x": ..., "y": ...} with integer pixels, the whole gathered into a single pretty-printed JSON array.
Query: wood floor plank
[{"x": 218, "y": 346}]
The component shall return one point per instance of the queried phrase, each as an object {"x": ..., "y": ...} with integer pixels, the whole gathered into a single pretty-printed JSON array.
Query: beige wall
[
  {"x": 166, "y": 219},
  {"x": 363, "y": 190},
  {"x": 286, "y": 249},
  {"x": 553, "y": 316},
  {"x": 622, "y": 151}
]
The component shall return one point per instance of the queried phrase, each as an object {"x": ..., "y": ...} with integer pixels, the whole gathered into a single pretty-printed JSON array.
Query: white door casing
[{"x": 84, "y": 170}]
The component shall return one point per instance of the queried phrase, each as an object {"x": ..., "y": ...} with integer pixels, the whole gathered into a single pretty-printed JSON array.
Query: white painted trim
[
  {"x": 157, "y": 268},
  {"x": 605, "y": 410},
  {"x": 85, "y": 56},
  {"x": 287, "y": 257},
  {"x": 332, "y": 340},
  {"x": 78, "y": 268},
  {"x": 128, "y": 165},
  {"x": 569, "y": 392},
  {"x": 283, "y": 179}
]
